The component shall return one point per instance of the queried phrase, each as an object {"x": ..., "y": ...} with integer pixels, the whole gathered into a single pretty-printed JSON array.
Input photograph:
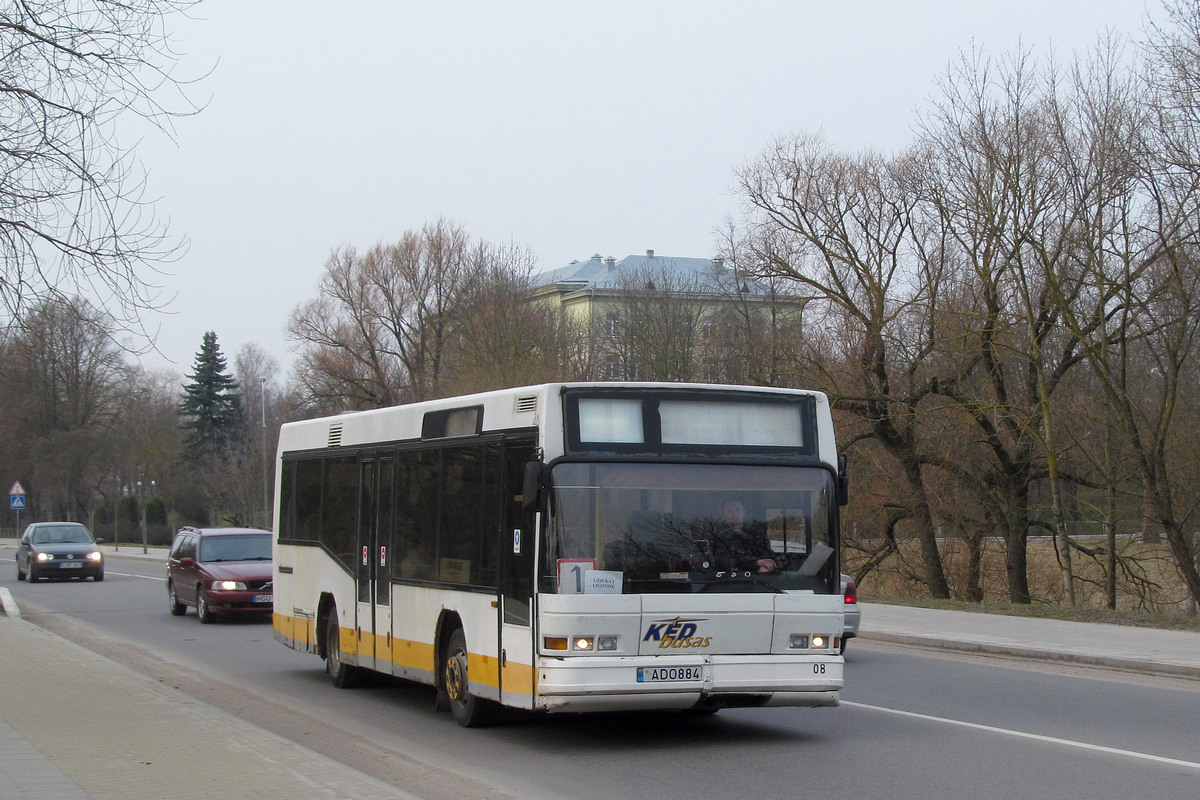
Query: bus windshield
[{"x": 640, "y": 527}]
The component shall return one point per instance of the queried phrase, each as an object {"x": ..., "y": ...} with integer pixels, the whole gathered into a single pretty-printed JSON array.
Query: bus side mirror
[
  {"x": 843, "y": 481},
  {"x": 531, "y": 492}
]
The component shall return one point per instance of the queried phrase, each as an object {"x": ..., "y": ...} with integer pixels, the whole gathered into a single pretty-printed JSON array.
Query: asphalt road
[{"x": 912, "y": 723}]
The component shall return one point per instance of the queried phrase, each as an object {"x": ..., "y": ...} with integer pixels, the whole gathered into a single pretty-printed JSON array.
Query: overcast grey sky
[{"x": 571, "y": 128}]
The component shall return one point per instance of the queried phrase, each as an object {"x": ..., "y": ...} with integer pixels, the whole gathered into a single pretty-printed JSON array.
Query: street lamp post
[
  {"x": 142, "y": 502},
  {"x": 262, "y": 382},
  {"x": 117, "y": 517},
  {"x": 142, "y": 487}
]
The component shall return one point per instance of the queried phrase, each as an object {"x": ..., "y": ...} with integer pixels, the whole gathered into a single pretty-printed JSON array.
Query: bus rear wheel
[
  {"x": 341, "y": 674},
  {"x": 468, "y": 710}
]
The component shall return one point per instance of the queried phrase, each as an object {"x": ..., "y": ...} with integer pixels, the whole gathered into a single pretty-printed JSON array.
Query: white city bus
[{"x": 570, "y": 547}]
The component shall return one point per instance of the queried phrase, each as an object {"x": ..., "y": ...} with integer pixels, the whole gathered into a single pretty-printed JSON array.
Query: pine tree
[{"x": 211, "y": 407}]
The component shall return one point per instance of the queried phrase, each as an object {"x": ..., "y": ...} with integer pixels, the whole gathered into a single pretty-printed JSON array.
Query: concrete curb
[
  {"x": 1141, "y": 666},
  {"x": 8, "y": 604}
]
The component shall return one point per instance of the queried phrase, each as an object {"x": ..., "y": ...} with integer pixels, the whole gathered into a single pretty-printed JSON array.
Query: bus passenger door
[
  {"x": 517, "y": 545},
  {"x": 375, "y": 510}
]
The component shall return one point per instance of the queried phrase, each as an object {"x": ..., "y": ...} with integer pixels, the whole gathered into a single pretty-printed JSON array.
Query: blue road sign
[{"x": 16, "y": 502}]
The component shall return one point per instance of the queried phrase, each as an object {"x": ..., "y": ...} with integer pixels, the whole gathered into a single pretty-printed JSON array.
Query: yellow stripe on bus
[
  {"x": 298, "y": 630},
  {"x": 408, "y": 654}
]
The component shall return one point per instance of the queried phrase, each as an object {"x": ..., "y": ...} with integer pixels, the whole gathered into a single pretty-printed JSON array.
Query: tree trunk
[
  {"x": 1110, "y": 535},
  {"x": 935, "y": 574},
  {"x": 973, "y": 593},
  {"x": 1016, "y": 539}
]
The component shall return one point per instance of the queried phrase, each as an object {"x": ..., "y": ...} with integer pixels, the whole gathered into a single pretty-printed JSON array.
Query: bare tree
[
  {"x": 70, "y": 379},
  {"x": 148, "y": 443},
  {"x": 756, "y": 332},
  {"x": 74, "y": 217},
  {"x": 1141, "y": 257},
  {"x": 383, "y": 328},
  {"x": 1172, "y": 52},
  {"x": 840, "y": 227},
  {"x": 500, "y": 338},
  {"x": 658, "y": 327},
  {"x": 256, "y": 373},
  {"x": 995, "y": 192}
]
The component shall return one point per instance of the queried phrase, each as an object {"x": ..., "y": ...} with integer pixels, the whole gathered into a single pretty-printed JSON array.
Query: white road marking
[
  {"x": 132, "y": 575},
  {"x": 1176, "y": 762}
]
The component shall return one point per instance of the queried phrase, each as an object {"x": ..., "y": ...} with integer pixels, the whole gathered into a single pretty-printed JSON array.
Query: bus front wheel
[
  {"x": 343, "y": 675},
  {"x": 469, "y": 711}
]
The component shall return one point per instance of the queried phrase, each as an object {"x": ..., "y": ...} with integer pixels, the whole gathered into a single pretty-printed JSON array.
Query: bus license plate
[
  {"x": 668, "y": 674},
  {"x": 264, "y": 598}
]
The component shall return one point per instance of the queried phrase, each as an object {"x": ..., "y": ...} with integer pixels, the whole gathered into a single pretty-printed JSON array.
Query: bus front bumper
[{"x": 704, "y": 681}]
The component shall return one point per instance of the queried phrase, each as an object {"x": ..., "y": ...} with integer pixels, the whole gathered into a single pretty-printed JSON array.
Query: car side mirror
[
  {"x": 186, "y": 562},
  {"x": 99, "y": 541}
]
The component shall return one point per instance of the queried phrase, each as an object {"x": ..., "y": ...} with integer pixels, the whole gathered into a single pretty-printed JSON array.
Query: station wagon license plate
[
  {"x": 668, "y": 674},
  {"x": 264, "y": 598}
]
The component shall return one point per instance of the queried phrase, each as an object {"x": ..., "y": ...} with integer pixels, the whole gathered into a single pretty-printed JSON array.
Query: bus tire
[
  {"x": 468, "y": 710},
  {"x": 341, "y": 674}
]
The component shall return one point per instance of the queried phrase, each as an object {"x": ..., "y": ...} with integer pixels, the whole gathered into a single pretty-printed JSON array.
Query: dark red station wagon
[{"x": 220, "y": 571}]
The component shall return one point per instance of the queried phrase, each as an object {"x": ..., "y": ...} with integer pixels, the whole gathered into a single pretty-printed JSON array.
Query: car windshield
[
  {"x": 251, "y": 547},
  {"x": 690, "y": 527},
  {"x": 61, "y": 534}
]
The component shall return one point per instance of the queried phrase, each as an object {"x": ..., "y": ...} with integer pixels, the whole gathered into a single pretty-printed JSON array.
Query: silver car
[{"x": 853, "y": 613}]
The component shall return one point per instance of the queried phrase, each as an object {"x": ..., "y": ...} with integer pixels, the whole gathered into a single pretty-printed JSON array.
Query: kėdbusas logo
[{"x": 676, "y": 633}]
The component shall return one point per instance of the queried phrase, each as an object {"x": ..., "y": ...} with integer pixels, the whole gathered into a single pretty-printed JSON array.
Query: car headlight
[
  {"x": 95, "y": 555},
  {"x": 228, "y": 586},
  {"x": 45, "y": 557}
]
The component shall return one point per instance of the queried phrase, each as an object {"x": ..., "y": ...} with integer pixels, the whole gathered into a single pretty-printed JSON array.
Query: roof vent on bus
[
  {"x": 526, "y": 404},
  {"x": 335, "y": 434}
]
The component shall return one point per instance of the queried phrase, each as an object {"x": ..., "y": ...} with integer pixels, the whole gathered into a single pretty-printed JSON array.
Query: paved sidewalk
[
  {"x": 1148, "y": 650},
  {"x": 77, "y": 726}
]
